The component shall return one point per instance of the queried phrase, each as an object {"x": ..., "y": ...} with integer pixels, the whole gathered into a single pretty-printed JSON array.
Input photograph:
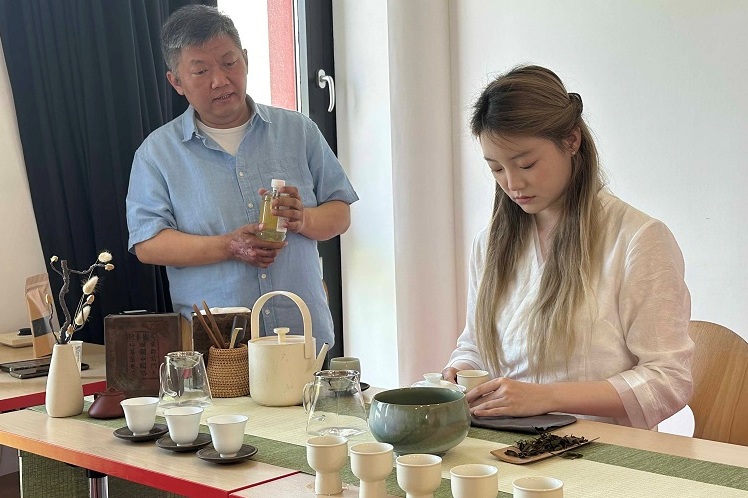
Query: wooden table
[
  {"x": 22, "y": 393},
  {"x": 94, "y": 447},
  {"x": 298, "y": 485}
]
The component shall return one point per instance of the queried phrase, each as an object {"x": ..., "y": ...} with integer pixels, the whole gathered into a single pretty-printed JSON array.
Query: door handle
[{"x": 325, "y": 80}]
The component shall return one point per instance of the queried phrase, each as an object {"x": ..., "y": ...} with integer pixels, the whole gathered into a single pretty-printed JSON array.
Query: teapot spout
[{"x": 321, "y": 357}]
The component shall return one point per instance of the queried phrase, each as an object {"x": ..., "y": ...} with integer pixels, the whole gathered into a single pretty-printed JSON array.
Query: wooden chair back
[{"x": 720, "y": 378}]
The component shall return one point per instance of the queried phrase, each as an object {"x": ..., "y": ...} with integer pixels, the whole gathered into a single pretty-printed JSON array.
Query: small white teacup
[
  {"x": 346, "y": 363},
  {"x": 184, "y": 423},
  {"x": 371, "y": 463},
  {"x": 419, "y": 474},
  {"x": 326, "y": 455},
  {"x": 140, "y": 414},
  {"x": 474, "y": 480},
  {"x": 472, "y": 378},
  {"x": 538, "y": 487},
  {"x": 227, "y": 433}
]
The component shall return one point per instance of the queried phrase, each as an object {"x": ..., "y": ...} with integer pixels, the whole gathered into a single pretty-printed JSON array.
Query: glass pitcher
[
  {"x": 184, "y": 381},
  {"x": 335, "y": 405}
]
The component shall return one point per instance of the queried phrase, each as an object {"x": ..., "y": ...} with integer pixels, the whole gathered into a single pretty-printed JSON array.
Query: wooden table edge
[
  {"x": 114, "y": 468},
  {"x": 39, "y": 398}
]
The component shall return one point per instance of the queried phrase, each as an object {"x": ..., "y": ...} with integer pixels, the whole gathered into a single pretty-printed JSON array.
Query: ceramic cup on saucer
[
  {"x": 183, "y": 423},
  {"x": 419, "y": 474},
  {"x": 140, "y": 414},
  {"x": 227, "y": 433},
  {"x": 326, "y": 455},
  {"x": 372, "y": 463},
  {"x": 474, "y": 480},
  {"x": 346, "y": 363},
  {"x": 472, "y": 378},
  {"x": 538, "y": 487}
]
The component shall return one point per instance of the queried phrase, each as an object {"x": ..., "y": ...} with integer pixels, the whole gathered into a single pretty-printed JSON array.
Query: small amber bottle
[{"x": 273, "y": 228}]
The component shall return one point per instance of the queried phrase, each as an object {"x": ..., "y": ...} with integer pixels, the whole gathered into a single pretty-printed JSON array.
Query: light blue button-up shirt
[{"x": 182, "y": 179}]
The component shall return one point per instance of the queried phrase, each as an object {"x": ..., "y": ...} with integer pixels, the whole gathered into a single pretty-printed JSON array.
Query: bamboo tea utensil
[
  {"x": 234, "y": 335},
  {"x": 214, "y": 325},
  {"x": 208, "y": 330},
  {"x": 240, "y": 322}
]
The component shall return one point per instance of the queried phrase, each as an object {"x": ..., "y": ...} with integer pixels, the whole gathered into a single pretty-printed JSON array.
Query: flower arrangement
[{"x": 77, "y": 320}]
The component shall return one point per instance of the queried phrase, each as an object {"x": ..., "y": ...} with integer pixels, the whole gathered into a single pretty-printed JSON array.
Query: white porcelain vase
[{"x": 64, "y": 396}]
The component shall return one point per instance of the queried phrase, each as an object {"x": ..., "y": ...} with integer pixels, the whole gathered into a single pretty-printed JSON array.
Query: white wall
[
  {"x": 395, "y": 141},
  {"x": 20, "y": 249},
  {"x": 368, "y": 255}
]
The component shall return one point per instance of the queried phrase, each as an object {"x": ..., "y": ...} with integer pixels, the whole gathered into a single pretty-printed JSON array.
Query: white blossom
[
  {"x": 81, "y": 317},
  {"x": 105, "y": 257},
  {"x": 90, "y": 285}
]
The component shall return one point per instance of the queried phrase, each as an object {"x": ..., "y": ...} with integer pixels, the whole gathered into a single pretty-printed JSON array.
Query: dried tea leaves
[{"x": 545, "y": 443}]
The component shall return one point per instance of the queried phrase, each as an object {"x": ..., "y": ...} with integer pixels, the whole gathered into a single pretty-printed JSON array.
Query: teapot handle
[
  {"x": 163, "y": 373},
  {"x": 254, "y": 328},
  {"x": 306, "y": 398}
]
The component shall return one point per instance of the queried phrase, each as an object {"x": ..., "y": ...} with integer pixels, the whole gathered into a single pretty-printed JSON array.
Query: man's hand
[
  {"x": 288, "y": 206},
  {"x": 321, "y": 222},
  {"x": 246, "y": 246}
]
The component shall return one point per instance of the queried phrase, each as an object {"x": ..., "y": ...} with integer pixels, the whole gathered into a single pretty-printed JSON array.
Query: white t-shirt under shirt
[
  {"x": 639, "y": 339},
  {"x": 228, "y": 138}
]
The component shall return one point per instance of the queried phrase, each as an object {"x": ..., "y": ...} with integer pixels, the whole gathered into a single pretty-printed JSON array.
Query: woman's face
[{"x": 532, "y": 171}]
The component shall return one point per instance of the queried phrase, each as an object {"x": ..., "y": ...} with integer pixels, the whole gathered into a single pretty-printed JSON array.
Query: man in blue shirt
[{"x": 195, "y": 189}]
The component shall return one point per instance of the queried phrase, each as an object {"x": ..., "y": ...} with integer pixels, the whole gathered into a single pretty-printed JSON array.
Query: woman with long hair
[{"x": 576, "y": 300}]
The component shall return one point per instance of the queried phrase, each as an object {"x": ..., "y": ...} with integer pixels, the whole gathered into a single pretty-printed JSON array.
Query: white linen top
[{"x": 638, "y": 339}]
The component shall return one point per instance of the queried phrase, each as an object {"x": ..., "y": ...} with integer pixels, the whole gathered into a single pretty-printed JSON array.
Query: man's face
[{"x": 213, "y": 78}]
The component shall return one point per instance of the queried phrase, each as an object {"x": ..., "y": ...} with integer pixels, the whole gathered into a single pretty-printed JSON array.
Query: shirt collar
[{"x": 189, "y": 121}]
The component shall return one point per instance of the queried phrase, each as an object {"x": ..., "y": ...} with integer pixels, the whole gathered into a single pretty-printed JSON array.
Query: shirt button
[
  {"x": 264, "y": 276},
  {"x": 241, "y": 173},
  {"x": 267, "y": 312},
  {"x": 250, "y": 205}
]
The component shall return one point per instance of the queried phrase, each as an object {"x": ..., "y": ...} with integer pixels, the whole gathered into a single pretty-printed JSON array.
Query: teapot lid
[{"x": 283, "y": 338}]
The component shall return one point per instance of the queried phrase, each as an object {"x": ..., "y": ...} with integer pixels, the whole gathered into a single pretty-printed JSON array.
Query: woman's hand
[
  {"x": 507, "y": 397},
  {"x": 450, "y": 373}
]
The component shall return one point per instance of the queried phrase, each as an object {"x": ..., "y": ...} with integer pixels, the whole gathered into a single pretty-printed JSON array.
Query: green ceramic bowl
[{"x": 419, "y": 419}]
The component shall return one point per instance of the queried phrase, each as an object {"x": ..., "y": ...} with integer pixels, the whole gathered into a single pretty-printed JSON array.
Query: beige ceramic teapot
[{"x": 280, "y": 366}]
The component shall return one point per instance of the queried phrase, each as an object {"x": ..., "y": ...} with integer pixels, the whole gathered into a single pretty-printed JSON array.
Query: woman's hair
[
  {"x": 194, "y": 25},
  {"x": 531, "y": 101}
]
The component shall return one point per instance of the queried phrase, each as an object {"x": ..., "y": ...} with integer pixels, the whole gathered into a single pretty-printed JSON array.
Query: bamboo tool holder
[
  {"x": 208, "y": 330},
  {"x": 214, "y": 325},
  {"x": 228, "y": 372}
]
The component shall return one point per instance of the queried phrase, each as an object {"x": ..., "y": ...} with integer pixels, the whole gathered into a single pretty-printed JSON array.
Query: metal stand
[{"x": 98, "y": 485}]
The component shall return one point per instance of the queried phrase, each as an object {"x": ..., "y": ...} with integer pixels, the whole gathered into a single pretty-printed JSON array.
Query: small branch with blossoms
[{"x": 77, "y": 320}]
